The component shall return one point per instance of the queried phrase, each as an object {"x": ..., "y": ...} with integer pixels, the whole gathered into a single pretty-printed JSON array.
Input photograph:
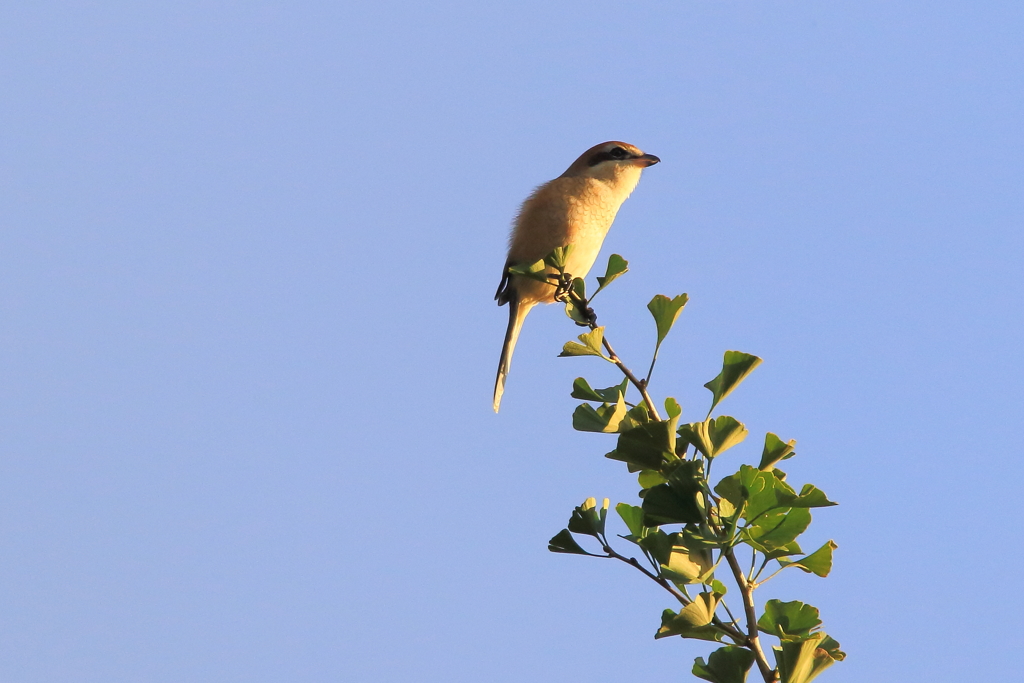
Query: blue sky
[{"x": 247, "y": 260}]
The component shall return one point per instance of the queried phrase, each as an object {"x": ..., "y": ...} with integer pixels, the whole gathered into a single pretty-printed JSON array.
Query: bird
[{"x": 577, "y": 208}]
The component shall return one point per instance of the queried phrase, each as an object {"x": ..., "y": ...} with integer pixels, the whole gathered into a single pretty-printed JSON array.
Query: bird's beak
[{"x": 647, "y": 160}]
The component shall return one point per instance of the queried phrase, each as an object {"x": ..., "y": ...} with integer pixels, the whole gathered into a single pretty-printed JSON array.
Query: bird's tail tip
[{"x": 499, "y": 389}]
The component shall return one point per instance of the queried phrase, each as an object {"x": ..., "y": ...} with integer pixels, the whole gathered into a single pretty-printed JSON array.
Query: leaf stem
[
  {"x": 729, "y": 612},
  {"x": 769, "y": 578}
]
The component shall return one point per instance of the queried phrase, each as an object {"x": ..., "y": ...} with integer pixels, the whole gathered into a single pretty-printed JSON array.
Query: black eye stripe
[{"x": 616, "y": 154}]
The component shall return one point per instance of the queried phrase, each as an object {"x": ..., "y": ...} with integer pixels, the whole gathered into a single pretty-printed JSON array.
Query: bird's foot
[{"x": 562, "y": 287}]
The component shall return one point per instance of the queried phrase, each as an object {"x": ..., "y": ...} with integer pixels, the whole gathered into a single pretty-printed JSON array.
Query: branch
[
  {"x": 633, "y": 562},
  {"x": 753, "y": 640},
  {"x": 639, "y": 384},
  {"x": 733, "y": 633},
  {"x": 584, "y": 306}
]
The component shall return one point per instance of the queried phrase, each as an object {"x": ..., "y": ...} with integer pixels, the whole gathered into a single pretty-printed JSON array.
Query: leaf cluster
[{"x": 689, "y": 534}]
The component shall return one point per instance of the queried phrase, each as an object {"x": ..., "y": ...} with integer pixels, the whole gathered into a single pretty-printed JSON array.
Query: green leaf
[
  {"x": 726, "y": 510},
  {"x": 687, "y": 564},
  {"x": 810, "y": 497},
  {"x": 789, "y": 620},
  {"x": 616, "y": 266},
  {"x": 606, "y": 418},
  {"x": 581, "y": 390},
  {"x": 776, "y": 529},
  {"x": 819, "y": 562},
  {"x": 590, "y": 346},
  {"x": 718, "y": 588},
  {"x": 693, "y": 621},
  {"x": 664, "y": 505},
  {"x": 665, "y": 312},
  {"x": 676, "y": 501},
  {"x": 588, "y": 518},
  {"x": 751, "y": 491},
  {"x": 537, "y": 270},
  {"x": 714, "y": 436},
  {"x": 700, "y": 536},
  {"x": 575, "y": 304},
  {"x": 735, "y": 367},
  {"x": 775, "y": 451},
  {"x": 648, "y": 446},
  {"x": 650, "y": 478},
  {"x": 633, "y": 516},
  {"x": 635, "y": 417},
  {"x": 802, "y": 661},
  {"x": 657, "y": 543},
  {"x": 672, "y": 407},
  {"x": 563, "y": 542},
  {"x": 729, "y": 664},
  {"x": 559, "y": 257},
  {"x": 784, "y": 551}
]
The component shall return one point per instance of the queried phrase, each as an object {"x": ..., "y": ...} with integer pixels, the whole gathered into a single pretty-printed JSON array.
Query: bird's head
[{"x": 614, "y": 162}]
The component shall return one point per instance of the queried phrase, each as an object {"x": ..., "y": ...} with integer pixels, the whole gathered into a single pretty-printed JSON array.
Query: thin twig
[
  {"x": 641, "y": 386},
  {"x": 664, "y": 583},
  {"x": 729, "y": 630},
  {"x": 584, "y": 306}
]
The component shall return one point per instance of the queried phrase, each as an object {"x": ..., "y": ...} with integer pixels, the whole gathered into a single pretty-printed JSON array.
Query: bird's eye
[{"x": 617, "y": 153}]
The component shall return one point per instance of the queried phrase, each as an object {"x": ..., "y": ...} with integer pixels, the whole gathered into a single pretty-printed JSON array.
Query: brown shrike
[{"x": 575, "y": 208}]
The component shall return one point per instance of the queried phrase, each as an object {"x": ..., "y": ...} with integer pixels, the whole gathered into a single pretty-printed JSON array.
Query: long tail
[{"x": 516, "y": 315}]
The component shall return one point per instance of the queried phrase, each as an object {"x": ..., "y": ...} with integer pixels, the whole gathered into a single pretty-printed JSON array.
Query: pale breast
[{"x": 577, "y": 211}]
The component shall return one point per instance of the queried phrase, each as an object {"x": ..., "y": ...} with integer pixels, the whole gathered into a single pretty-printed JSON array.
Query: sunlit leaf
[
  {"x": 776, "y": 529},
  {"x": 633, "y": 516},
  {"x": 735, "y": 367},
  {"x": 616, "y": 266},
  {"x": 692, "y": 621},
  {"x": 665, "y": 312},
  {"x": 714, "y": 436},
  {"x": 819, "y": 562},
  {"x": 789, "y": 620},
  {"x": 802, "y": 661},
  {"x": 729, "y": 664},
  {"x": 559, "y": 257},
  {"x": 650, "y": 478},
  {"x": 687, "y": 564},
  {"x": 606, "y": 418},
  {"x": 636, "y": 416},
  {"x": 810, "y": 497},
  {"x": 672, "y": 407},
  {"x": 775, "y": 451},
  {"x": 750, "y": 490},
  {"x": 590, "y": 345},
  {"x": 784, "y": 551},
  {"x": 538, "y": 270}
]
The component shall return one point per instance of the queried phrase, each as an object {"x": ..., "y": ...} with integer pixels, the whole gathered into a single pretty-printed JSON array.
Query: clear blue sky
[{"x": 247, "y": 336}]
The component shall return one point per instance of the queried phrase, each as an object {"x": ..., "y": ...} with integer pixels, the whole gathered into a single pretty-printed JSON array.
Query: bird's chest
[{"x": 590, "y": 213}]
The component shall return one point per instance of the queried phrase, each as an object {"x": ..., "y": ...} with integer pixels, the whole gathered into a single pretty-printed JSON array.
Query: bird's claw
[{"x": 562, "y": 287}]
